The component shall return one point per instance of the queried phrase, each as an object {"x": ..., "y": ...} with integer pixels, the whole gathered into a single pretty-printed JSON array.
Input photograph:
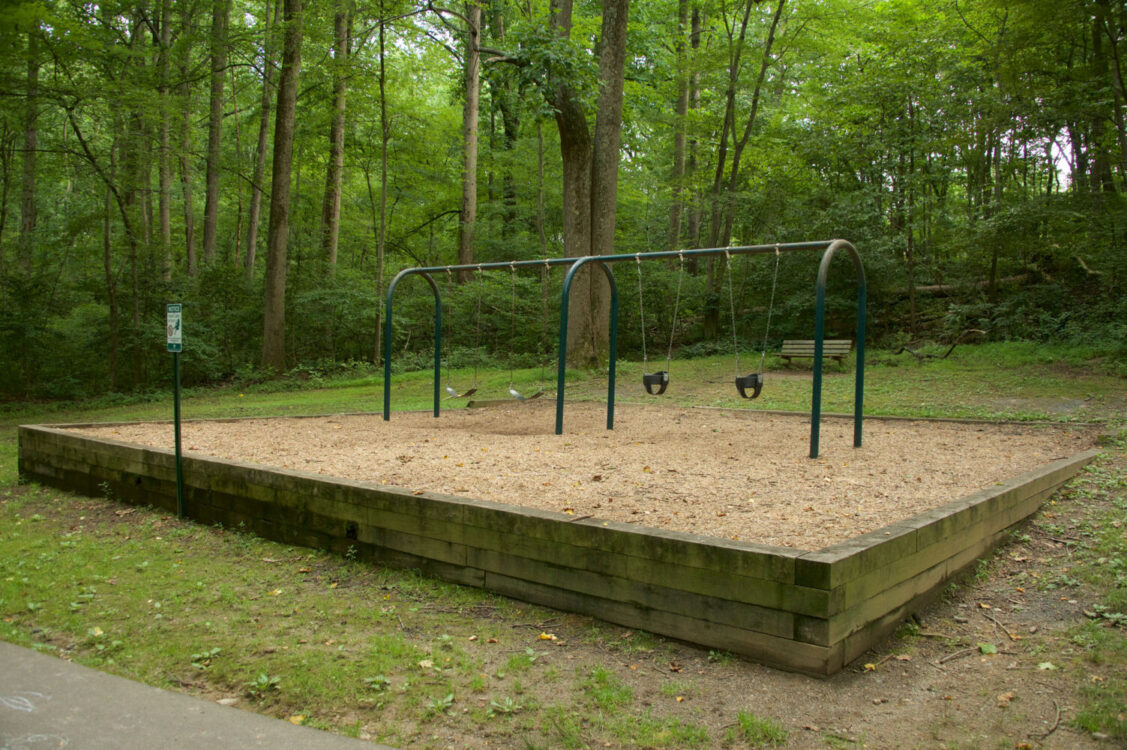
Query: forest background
[{"x": 271, "y": 166}]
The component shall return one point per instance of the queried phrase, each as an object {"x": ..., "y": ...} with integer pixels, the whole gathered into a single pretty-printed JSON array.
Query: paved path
[{"x": 46, "y": 702}]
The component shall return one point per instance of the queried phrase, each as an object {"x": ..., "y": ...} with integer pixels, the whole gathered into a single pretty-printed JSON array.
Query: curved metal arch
[
  {"x": 561, "y": 374},
  {"x": 387, "y": 338},
  {"x": 819, "y": 343}
]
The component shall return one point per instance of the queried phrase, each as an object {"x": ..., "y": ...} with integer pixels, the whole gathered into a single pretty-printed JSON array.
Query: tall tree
[
  {"x": 274, "y": 313},
  {"x": 30, "y": 151},
  {"x": 680, "y": 116},
  {"x": 470, "y": 135},
  {"x": 330, "y": 205},
  {"x": 590, "y": 174},
  {"x": 269, "y": 24},
  {"x": 220, "y": 16},
  {"x": 164, "y": 158}
]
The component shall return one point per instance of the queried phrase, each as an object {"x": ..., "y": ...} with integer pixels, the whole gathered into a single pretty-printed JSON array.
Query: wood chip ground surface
[{"x": 734, "y": 474}]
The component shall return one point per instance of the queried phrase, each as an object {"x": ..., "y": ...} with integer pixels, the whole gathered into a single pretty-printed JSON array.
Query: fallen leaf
[
  {"x": 1046, "y": 666},
  {"x": 492, "y": 640},
  {"x": 426, "y": 664},
  {"x": 547, "y": 637},
  {"x": 473, "y": 637},
  {"x": 870, "y": 667},
  {"x": 903, "y": 657},
  {"x": 305, "y": 570},
  {"x": 1005, "y": 698},
  {"x": 296, "y": 719},
  {"x": 680, "y": 698},
  {"x": 984, "y": 605}
]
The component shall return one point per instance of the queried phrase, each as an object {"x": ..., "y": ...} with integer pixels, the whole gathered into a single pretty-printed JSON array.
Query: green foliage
[{"x": 932, "y": 138}]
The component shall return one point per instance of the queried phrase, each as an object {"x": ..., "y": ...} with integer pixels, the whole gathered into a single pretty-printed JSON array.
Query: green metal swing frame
[{"x": 828, "y": 247}]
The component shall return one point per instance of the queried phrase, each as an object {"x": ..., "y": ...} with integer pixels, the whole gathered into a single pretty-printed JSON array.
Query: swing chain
[
  {"x": 770, "y": 310},
  {"x": 512, "y": 317},
  {"x": 732, "y": 307},
  {"x": 641, "y": 310},
  {"x": 676, "y": 306}
]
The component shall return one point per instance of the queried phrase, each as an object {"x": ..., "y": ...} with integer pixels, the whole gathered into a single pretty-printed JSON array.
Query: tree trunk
[
  {"x": 186, "y": 168},
  {"x": 334, "y": 175},
  {"x": 541, "y": 228},
  {"x": 737, "y": 151},
  {"x": 590, "y": 177},
  {"x": 220, "y": 11},
  {"x": 111, "y": 289},
  {"x": 469, "y": 138},
  {"x": 30, "y": 150},
  {"x": 165, "y": 157},
  {"x": 274, "y": 313},
  {"x": 385, "y": 135},
  {"x": 263, "y": 137},
  {"x": 681, "y": 111},
  {"x": 238, "y": 233},
  {"x": 694, "y": 145},
  {"x": 728, "y": 127}
]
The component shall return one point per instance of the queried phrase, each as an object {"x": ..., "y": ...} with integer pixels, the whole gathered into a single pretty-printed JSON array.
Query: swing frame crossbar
[{"x": 828, "y": 247}]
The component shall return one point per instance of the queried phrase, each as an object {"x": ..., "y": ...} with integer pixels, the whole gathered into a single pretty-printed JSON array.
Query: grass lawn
[{"x": 411, "y": 661}]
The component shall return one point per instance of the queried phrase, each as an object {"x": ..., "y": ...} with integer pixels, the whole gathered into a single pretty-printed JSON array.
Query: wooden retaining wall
[{"x": 812, "y": 612}]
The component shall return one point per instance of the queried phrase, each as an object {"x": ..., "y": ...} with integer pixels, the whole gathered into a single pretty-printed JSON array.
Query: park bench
[{"x": 831, "y": 349}]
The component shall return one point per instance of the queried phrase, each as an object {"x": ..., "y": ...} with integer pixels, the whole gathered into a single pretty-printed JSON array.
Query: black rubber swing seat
[
  {"x": 752, "y": 382},
  {"x": 658, "y": 380}
]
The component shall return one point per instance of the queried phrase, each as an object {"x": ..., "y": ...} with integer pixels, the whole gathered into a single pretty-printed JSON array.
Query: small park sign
[{"x": 175, "y": 341}]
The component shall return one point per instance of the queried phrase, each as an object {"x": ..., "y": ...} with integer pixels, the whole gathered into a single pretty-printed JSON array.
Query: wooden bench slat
[{"x": 831, "y": 348}]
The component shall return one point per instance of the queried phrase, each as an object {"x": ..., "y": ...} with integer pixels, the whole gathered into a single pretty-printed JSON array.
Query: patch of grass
[
  {"x": 758, "y": 731},
  {"x": 605, "y": 690},
  {"x": 650, "y": 731}
]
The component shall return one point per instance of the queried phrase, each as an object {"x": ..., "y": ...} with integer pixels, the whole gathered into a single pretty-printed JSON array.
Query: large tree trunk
[
  {"x": 470, "y": 137},
  {"x": 221, "y": 10},
  {"x": 274, "y": 313},
  {"x": 263, "y": 139},
  {"x": 330, "y": 206},
  {"x": 590, "y": 177},
  {"x": 30, "y": 150}
]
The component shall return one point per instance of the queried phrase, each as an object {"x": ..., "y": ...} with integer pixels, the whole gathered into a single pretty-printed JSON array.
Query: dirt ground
[{"x": 736, "y": 474}]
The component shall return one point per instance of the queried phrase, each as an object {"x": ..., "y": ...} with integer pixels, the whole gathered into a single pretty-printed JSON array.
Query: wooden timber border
[{"x": 811, "y": 612}]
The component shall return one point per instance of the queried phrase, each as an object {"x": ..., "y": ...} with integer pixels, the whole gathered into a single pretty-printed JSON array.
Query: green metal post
[
  {"x": 561, "y": 350},
  {"x": 819, "y": 343},
  {"x": 176, "y": 422},
  {"x": 613, "y": 354},
  {"x": 819, "y": 335}
]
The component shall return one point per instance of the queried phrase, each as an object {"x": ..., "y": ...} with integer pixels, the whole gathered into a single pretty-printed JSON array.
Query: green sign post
[{"x": 176, "y": 345}]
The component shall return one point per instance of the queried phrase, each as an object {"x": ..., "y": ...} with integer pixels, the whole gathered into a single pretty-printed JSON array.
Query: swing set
[{"x": 749, "y": 385}]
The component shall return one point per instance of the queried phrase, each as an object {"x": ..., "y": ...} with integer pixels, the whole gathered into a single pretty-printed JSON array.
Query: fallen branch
[
  {"x": 921, "y": 357},
  {"x": 958, "y": 654},
  {"x": 1053, "y": 728},
  {"x": 994, "y": 620}
]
